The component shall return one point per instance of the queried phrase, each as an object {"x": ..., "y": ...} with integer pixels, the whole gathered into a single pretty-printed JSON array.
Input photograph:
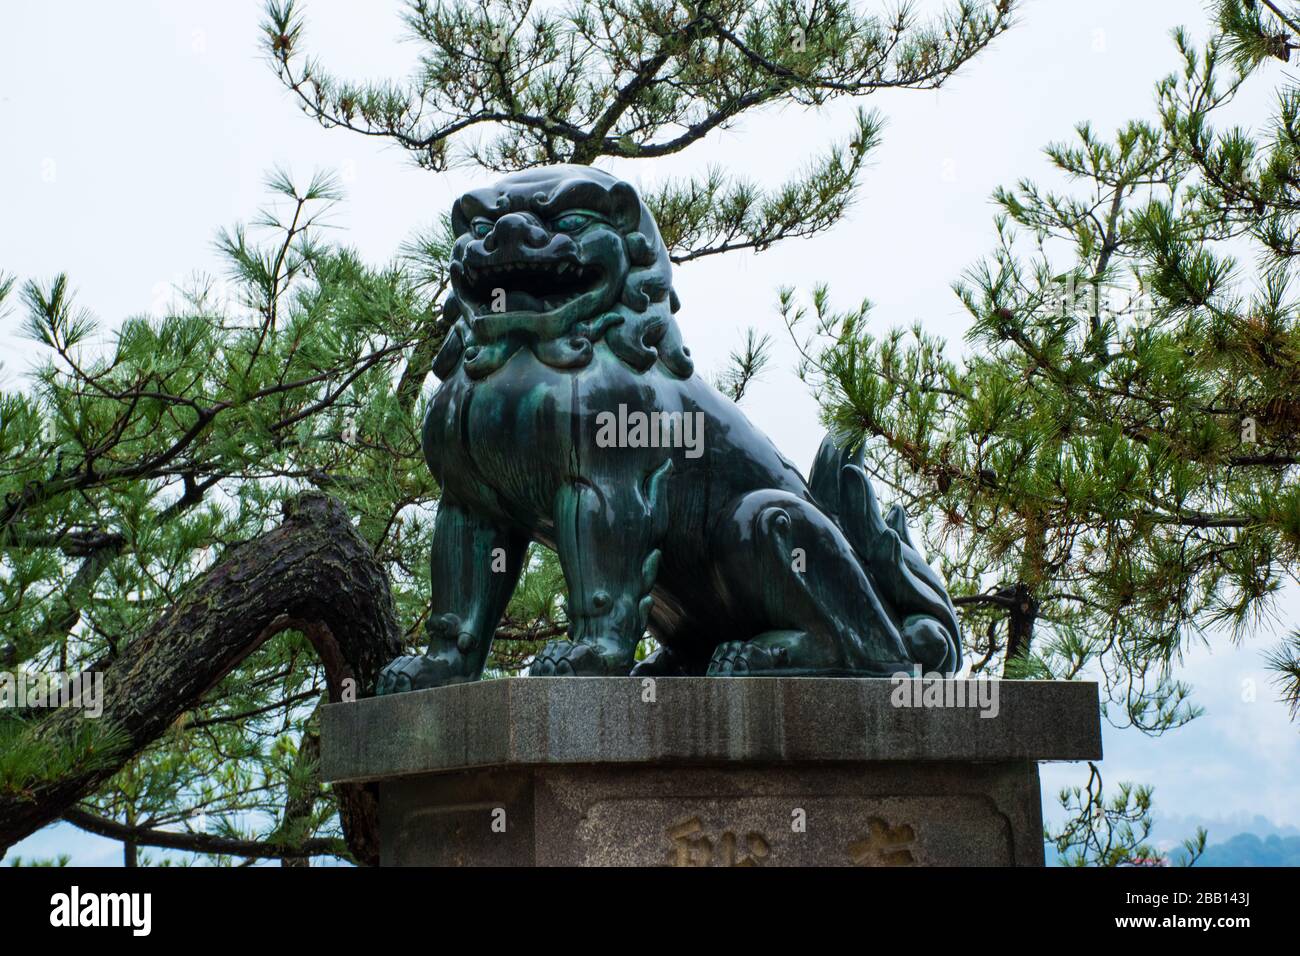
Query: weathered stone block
[{"x": 709, "y": 771}]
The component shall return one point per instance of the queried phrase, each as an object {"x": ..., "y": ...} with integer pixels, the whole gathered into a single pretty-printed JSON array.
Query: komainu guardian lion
[{"x": 569, "y": 413}]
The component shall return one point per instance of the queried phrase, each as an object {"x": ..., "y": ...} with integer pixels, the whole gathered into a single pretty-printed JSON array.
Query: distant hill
[
  {"x": 1246, "y": 849},
  {"x": 1174, "y": 828}
]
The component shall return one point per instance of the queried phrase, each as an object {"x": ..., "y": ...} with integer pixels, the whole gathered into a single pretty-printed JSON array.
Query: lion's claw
[
  {"x": 415, "y": 672},
  {"x": 742, "y": 658},
  {"x": 572, "y": 659}
]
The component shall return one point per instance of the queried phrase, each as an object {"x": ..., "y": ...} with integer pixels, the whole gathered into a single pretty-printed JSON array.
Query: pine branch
[{"x": 205, "y": 843}]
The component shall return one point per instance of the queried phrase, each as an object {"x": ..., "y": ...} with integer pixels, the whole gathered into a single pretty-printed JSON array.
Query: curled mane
[{"x": 639, "y": 328}]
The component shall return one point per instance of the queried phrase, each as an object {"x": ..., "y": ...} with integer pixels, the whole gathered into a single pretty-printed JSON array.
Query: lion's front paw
[
  {"x": 742, "y": 658},
  {"x": 415, "y": 672},
  {"x": 572, "y": 659}
]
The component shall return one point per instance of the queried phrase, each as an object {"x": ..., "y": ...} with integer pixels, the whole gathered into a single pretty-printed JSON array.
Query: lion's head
[{"x": 556, "y": 259}]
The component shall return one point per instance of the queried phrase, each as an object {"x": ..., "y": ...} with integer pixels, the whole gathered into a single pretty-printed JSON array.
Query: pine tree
[
  {"x": 1109, "y": 474},
  {"x": 503, "y": 86}
]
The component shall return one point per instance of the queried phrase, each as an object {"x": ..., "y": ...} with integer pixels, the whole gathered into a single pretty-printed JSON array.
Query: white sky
[{"x": 130, "y": 132}]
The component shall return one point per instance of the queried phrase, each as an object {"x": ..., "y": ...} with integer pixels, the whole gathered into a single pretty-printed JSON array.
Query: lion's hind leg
[{"x": 792, "y": 578}]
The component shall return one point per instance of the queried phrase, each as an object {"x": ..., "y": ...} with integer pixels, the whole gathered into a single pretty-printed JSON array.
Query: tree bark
[
  {"x": 312, "y": 574},
  {"x": 1022, "y": 611}
]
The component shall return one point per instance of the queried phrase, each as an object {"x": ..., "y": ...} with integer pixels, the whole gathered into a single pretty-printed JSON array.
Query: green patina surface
[{"x": 569, "y": 413}]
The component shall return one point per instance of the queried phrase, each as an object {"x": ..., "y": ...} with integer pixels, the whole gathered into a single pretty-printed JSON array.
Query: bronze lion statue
[{"x": 569, "y": 413}]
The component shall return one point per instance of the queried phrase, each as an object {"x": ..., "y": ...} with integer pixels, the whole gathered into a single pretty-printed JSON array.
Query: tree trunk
[
  {"x": 312, "y": 574},
  {"x": 1022, "y": 611}
]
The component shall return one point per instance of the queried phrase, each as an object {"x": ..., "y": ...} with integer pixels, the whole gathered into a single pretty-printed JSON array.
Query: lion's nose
[{"x": 516, "y": 229}]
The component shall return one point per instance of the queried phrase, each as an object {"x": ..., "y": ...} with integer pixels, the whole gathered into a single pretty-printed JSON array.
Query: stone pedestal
[{"x": 712, "y": 771}]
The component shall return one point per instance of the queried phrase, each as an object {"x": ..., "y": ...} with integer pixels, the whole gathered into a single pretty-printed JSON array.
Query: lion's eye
[
  {"x": 571, "y": 222},
  {"x": 481, "y": 227}
]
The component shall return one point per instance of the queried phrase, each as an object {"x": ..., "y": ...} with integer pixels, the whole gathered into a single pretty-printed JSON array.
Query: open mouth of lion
[{"x": 539, "y": 286}]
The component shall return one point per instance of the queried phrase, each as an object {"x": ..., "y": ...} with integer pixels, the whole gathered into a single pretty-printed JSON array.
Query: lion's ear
[
  {"x": 626, "y": 207},
  {"x": 459, "y": 221}
]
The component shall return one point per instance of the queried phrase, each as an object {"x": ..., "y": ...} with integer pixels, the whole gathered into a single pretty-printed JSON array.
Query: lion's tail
[{"x": 841, "y": 487}]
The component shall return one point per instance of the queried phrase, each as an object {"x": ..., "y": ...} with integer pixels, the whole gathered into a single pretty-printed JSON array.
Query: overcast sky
[{"x": 131, "y": 131}]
